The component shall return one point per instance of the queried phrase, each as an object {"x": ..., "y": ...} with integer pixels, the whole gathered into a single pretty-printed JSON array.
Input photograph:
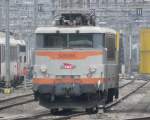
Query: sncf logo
[{"x": 67, "y": 66}]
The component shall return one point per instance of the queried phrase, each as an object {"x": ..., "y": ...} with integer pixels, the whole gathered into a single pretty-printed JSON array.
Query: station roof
[{"x": 72, "y": 29}]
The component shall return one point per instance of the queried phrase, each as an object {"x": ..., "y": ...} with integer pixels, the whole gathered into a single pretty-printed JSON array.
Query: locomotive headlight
[{"x": 43, "y": 69}]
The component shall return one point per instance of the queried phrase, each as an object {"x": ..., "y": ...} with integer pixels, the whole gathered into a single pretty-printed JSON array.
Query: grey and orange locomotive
[{"x": 75, "y": 66}]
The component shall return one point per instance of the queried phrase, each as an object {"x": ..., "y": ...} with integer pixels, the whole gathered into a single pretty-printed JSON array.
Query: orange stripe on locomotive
[
  {"x": 48, "y": 81},
  {"x": 68, "y": 55}
]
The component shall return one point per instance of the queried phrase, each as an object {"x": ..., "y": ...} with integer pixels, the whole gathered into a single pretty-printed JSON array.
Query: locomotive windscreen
[{"x": 82, "y": 40}]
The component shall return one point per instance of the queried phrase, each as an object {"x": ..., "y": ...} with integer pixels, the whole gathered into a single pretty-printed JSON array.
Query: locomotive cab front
[{"x": 73, "y": 68}]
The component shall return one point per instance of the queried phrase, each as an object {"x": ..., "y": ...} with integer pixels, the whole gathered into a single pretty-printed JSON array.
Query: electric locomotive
[{"x": 75, "y": 65}]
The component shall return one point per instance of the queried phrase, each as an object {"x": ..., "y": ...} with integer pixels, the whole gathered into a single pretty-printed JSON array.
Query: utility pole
[
  {"x": 34, "y": 25},
  {"x": 1, "y": 18},
  {"x": 130, "y": 40},
  {"x": 31, "y": 41},
  {"x": 35, "y": 14},
  {"x": 7, "y": 47}
]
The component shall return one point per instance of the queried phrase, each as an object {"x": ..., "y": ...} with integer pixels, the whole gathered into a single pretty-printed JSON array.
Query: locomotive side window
[
  {"x": 39, "y": 40},
  {"x": 110, "y": 45},
  {"x": 98, "y": 40}
]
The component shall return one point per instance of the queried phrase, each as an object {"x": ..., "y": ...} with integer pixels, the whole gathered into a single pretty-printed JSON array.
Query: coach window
[
  {"x": 0, "y": 54},
  {"x": 24, "y": 59},
  {"x": 15, "y": 53},
  {"x": 20, "y": 59},
  {"x": 22, "y": 48},
  {"x": 3, "y": 53},
  {"x": 11, "y": 53},
  {"x": 110, "y": 45}
]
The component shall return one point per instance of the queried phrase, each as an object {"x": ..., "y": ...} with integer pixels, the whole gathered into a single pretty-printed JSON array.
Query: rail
[
  {"x": 124, "y": 97},
  {"x": 18, "y": 100},
  {"x": 71, "y": 115}
]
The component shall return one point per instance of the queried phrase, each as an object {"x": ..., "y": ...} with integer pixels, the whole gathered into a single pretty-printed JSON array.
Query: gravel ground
[
  {"x": 111, "y": 116},
  {"x": 125, "y": 90},
  {"x": 138, "y": 102},
  {"x": 25, "y": 108},
  {"x": 123, "y": 81},
  {"x": 22, "y": 110}
]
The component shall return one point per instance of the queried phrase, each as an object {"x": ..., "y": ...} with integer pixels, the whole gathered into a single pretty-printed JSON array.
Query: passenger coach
[{"x": 16, "y": 66}]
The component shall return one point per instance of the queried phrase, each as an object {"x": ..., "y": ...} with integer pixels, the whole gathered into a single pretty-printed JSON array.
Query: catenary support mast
[{"x": 7, "y": 48}]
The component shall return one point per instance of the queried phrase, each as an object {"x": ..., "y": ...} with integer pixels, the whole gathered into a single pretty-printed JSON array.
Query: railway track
[
  {"x": 33, "y": 116},
  {"x": 18, "y": 100},
  {"x": 38, "y": 116},
  {"x": 70, "y": 116},
  {"x": 27, "y": 98},
  {"x": 114, "y": 103},
  {"x": 144, "y": 118},
  {"x": 47, "y": 113},
  {"x": 121, "y": 86},
  {"x": 107, "y": 107}
]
